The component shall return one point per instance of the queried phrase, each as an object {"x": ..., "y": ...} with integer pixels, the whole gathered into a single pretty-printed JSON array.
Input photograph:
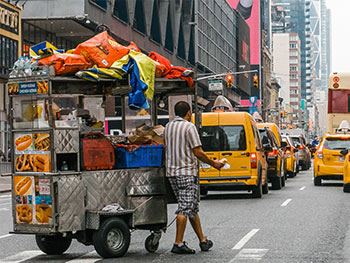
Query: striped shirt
[{"x": 181, "y": 137}]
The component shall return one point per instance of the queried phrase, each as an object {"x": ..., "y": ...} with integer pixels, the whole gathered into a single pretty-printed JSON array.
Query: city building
[
  {"x": 287, "y": 66},
  {"x": 325, "y": 45},
  {"x": 294, "y": 22},
  {"x": 10, "y": 48},
  {"x": 280, "y": 62},
  {"x": 270, "y": 92}
]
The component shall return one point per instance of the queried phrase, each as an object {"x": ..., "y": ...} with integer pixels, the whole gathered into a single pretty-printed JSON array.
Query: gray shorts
[{"x": 186, "y": 190}]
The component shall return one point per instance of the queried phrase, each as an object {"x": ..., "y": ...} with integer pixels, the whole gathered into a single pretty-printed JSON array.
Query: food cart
[{"x": 57, "y": 196}]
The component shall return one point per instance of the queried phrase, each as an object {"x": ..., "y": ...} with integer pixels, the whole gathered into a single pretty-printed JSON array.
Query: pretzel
[
  {"x": 20, "y": 162},
  {"x": 24, "y": 162},
  {"x": 25, "y": 213}
]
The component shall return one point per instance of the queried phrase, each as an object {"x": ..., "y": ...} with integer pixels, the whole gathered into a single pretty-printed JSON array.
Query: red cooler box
[{"x": 97, "y": 152}]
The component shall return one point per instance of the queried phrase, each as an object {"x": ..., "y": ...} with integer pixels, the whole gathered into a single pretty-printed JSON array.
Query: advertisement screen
[{"x": 250, "y": 11}]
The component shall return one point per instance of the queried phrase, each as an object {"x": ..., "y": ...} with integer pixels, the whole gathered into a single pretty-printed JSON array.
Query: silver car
[{"x": 304, "y": 155}]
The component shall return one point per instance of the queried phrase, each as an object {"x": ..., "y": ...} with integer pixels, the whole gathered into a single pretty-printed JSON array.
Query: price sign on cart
[{"x": 44, "y": 186}]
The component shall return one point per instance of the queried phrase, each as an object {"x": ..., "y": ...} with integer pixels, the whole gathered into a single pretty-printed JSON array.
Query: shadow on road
[
  {"x": 226, "y": 196},
  {"x": 332, "y": 184}
]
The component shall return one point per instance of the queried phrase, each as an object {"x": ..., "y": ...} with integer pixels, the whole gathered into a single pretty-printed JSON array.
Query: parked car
[
  {"x": 235, "y": 137},
  {"x": 274, "y": 157},
  {"x": 329, "y": 161},
  {"x": 304, "y": 155},
  {"x": 291, "y": 156}
]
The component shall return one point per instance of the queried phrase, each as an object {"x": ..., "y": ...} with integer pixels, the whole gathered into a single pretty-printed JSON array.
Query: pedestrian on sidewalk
[{"x": 183, "y": 147}]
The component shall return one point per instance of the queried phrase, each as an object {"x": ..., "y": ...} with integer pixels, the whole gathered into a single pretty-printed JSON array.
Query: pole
[
  {"x": 196, "y": 116},
  {"x": 224, "y": 74}
]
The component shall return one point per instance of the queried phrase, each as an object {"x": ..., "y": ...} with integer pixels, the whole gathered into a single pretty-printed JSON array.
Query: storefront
[{"x": 10, "y": 49}]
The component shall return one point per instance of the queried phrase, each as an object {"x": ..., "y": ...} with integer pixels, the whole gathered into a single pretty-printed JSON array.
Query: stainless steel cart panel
[
  {"x": 70, "y": 203},
  {"x": 66, "y": 140}
]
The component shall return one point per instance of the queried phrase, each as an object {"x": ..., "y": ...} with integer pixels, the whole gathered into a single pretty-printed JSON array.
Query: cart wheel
[
  {"x": 112, "y": 239},
  {"x": 53, "y": 245},
  {"x": 149, "y": 244}
]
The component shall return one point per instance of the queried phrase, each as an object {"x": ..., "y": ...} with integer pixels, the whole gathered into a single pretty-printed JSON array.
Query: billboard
[
  {"x": 243, "y": 55},
  {"x": 250, "y": 11}
]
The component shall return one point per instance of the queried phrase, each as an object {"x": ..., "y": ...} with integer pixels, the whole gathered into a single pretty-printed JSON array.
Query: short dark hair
[{"x": 181, "y": 108}]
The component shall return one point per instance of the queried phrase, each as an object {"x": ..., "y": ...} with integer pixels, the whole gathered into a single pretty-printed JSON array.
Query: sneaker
[
  {"x": 206, "y": 245},
  {"x": 183, "y": 249}
]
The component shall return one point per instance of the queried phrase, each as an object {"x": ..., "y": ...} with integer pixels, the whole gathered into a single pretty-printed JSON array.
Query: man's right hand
[{"x": 218, "y": 164}]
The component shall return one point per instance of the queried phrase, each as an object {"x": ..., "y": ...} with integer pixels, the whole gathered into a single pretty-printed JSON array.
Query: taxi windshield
[
  {"x": 336, "y": 143},
  {"x": 223, "y": 138}
]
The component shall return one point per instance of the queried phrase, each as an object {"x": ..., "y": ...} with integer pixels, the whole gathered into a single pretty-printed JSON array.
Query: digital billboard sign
[{"x": 250, "y": 11}]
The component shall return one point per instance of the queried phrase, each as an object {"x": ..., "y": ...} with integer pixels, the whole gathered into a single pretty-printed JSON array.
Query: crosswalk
[{"x": 39, "y": 256}]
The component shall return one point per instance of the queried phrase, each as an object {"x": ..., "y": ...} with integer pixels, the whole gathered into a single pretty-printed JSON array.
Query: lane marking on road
[
  {"x": 285, "y": 203},
  {"x": 90, "y": 257},
  {"x": 251, "y": 254},
  {"x": 4, "y": 236},
  {"x": 4, "y": 209},
  {"x": 22, "y": 256},
  {"x": 301, "y": 189},
  {"x": 245, "y": 239}
]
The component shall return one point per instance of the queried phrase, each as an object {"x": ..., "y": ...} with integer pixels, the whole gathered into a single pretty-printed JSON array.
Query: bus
[{"x": 338, "y": 100}]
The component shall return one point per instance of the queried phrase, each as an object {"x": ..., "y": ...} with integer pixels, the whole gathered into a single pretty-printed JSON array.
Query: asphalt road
[{"x": 300, "y": 223}]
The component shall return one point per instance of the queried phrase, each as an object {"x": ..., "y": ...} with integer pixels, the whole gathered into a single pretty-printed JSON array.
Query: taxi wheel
[
  {"x": 203, "y": 191},
  {"x": 276, "y": 183},
  {"x": 346, "y": 188},
  {"x": 265, "y": 188},
  {"x": 283, "y": 181},
  {"x": 290, "y": 174},
  {"x": 317, "y": 181},
  {"x": 257, "y": 191}
]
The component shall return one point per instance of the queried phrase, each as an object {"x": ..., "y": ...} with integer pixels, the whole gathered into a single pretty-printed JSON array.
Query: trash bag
[
  {"x": 65, "y": 63},
  {"x": 166, "y": 70},
  {"x": 102, "y": 50}
]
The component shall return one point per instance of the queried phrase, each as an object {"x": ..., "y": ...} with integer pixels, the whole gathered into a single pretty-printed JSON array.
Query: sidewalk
[{"x": 5, "y": 184}]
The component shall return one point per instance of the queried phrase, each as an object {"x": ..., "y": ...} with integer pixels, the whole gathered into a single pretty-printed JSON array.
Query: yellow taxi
[
  {"x": 291, "y": 160},
  {"x": 346, "y": 175},
  {"x": 233, "y": 136},
  {"x": 277, "y": 157},
  {"x": 329, "y": 161}
]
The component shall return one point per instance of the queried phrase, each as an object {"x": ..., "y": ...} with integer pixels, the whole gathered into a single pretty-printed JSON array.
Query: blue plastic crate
[
  {"x": 144, "y": 156},
  {"x": 152, "y": 155}
]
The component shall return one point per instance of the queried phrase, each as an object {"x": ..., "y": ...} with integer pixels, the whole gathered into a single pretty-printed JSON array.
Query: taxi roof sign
[
  {"x": 222, "y": 104},
  {"x": 344, "y": 127}
]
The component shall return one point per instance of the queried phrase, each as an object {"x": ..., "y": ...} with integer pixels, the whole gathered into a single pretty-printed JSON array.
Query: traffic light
[
  {"x": 255, "y": 81},
  {"x": 229, "y": 79},
  {"x": 282, "y": 114},
  {"x": 335, "y": 82}
]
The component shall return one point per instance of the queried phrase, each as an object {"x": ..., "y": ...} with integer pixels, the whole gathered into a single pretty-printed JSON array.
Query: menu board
[
  {"x": 28, "y": 88},
  {"x": 33, "y": 200},
  {"x": 32, "y": 152}
]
